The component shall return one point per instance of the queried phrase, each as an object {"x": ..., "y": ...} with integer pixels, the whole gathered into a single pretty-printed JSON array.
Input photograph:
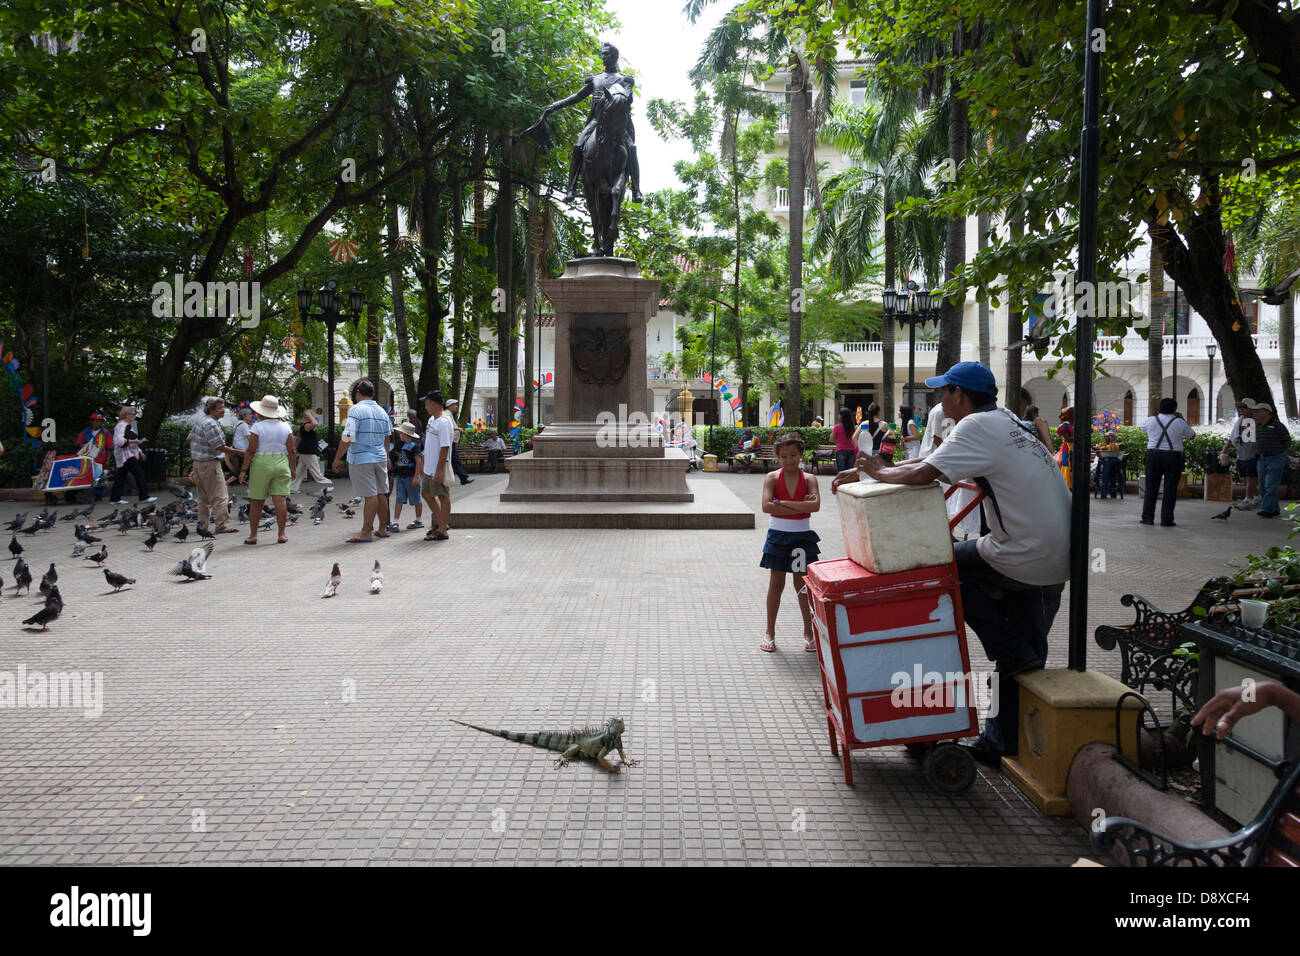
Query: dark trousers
[
  {"x": 1163, "y": 467},
  {"x": 494, "y": 459},
  {"x": 1011, "y": 620},
  {"x": 844, "y": 459},
  {"x": 130, "y": 467},
  {"x": 457, "y": 468}
]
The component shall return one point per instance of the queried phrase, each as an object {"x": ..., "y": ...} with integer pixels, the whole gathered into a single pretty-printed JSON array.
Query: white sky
[{"x": 660, "y": 46}]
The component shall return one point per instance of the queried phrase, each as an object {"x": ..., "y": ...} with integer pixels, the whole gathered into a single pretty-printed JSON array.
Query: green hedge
[{"x": 726, "y": 437}]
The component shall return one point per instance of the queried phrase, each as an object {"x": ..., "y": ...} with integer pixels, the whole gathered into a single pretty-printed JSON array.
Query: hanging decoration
[
  {"x": 491, "y": 414},
  {"x": 547, "y": 379},
  {"x": 248, "y": 261},
  {"x": 26, "y": 397},
  {"x": 778, "y": 416},
  {"x": 344, "y": 250}
]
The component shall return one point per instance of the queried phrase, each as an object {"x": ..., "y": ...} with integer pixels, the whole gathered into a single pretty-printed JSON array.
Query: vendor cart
[
  {"x": 72, "y": 475},
  {"x": 894, "y": 664}
]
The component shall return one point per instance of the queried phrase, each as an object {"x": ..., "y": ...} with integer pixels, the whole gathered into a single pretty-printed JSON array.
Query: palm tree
[
  {"x": 738, "y": 37},
  {"x": 1272, "y": 239},
  {"x": 863, "y": 198}
]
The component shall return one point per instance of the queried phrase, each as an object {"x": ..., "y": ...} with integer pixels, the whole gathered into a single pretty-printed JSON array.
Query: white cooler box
[{"x": 891, "y": 528}]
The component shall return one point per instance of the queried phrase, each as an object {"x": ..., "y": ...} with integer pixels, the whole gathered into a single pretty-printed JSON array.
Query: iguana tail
[{"x": 547, "y": 741}]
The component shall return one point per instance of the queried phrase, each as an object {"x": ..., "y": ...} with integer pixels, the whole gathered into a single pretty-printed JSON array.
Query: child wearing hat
[{"x": 408, "y": 464}]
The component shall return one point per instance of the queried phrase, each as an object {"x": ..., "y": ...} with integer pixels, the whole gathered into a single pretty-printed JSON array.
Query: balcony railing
[
  {"x": 783, "y": 198},
  {"x": 852, "y": 348},
  {"x": 1193, "y": 346}
]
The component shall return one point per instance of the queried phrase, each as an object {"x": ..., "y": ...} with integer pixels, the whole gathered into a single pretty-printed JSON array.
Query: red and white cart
[{"x": 894, "y": 663}]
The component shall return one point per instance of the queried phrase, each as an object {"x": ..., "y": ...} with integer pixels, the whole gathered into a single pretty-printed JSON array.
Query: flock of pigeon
[{"x": 171, "y": 520}]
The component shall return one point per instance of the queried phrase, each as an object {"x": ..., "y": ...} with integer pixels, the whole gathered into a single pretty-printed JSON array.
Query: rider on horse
[{"x": 600, "y": 83}]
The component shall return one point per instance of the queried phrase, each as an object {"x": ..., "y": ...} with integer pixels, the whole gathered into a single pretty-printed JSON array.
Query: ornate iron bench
[
  {"x": 1150, "y": 648},
  {"x": 1271, "y": 839}
]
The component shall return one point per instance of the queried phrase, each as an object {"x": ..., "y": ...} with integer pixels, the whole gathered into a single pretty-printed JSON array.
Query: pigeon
[
  {"x": 183, "y": 533},
  {"x": 83, "y": 535},
  {"x": 266, "y": 523},
  {"x": 243, "y": 513},
  {"x": 99, "y": 556},
  {"x": 150, "y": 541},
  {"x": 34, "y": 527},
  {"x": 192, "y": 567},
  {"x": 72, "y": 515},
  {"x": 17, "y": 523},
  {"x": 350, "y": 513},
  {"x": 376, "y": 579},
  {"x": 356, "y": 501},
  {"x": 110, "y": 517},
  {"x": 22, "y": 576},
  {"x": 118, "y": 581},
  {"x": 14, "y": 547},
  {"x": 48, "y": 580},
  {"x": 332, "y": 586},
  {"x": 203, "y": 532},
  {"x": 79, "y": 549},
  {"x": 1222, "y": 515},
  {"x": 46, "y": 614},
  {"x": 293, "y": 518}
]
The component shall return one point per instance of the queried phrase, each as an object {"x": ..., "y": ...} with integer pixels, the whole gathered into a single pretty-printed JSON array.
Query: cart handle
[{"x": 970, "y": 505}]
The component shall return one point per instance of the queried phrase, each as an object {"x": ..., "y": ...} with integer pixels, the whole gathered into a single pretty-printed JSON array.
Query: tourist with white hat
[
  {"x": 407, "y": 466},
  {"x": 269, "y": 464}
]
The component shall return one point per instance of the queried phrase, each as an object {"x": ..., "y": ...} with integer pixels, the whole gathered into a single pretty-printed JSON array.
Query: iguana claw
[
  {"x": 561, "y": 762},
  {"x": 631, "y": 763}
]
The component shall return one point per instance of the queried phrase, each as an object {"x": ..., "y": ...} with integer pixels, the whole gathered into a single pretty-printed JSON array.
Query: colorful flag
[{"x": 778, "y": 416}]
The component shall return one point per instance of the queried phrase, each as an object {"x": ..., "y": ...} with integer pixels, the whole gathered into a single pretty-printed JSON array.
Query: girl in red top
[{"x": 789, "y": 497}]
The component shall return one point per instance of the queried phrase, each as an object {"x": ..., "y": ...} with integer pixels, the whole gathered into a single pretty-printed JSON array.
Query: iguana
[{"x": 591, "y": 742}]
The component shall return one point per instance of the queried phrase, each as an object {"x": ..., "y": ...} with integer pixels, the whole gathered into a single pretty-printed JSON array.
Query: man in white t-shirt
[
  {"x": 1011, "y": 578},
  {"x": 438, "y": 440}
]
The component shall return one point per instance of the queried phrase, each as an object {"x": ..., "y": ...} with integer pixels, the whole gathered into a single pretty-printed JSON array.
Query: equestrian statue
[{"x": 605, "y": 153}]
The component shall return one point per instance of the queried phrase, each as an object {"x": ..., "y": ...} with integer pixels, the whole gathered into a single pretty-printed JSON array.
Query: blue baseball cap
[{"x": 971, "y": 376}]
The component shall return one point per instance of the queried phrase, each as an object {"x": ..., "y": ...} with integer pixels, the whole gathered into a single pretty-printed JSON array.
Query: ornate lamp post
[
  {"x": 331, "y": 315},
  {"x": 909, "y": 308},
  {"x": 685, "y": 402},
  {"x": 1211, "y": 350}
]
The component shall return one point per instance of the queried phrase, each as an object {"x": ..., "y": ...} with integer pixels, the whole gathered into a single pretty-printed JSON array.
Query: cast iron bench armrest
[{"x": 1246, "y": 847}]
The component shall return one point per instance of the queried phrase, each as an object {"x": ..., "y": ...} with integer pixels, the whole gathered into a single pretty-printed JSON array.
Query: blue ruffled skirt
[{"x": 783, "y": 549}]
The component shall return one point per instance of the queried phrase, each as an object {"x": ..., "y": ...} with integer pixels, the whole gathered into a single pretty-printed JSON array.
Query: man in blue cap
[{"x": 1012, "y": 577}]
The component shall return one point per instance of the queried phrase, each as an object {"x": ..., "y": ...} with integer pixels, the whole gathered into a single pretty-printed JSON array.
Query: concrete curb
[{"x": 1097, "y": 780}]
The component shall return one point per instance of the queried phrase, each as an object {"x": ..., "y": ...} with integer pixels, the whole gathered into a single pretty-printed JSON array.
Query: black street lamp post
[
  {"x": 1211, "y": 350},
  {"x": 331, "y": 316},
  {"x": 910, "y": 308}
]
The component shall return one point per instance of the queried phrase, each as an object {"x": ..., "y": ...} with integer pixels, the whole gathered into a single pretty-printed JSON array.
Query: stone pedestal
[
  {"x": 601, "y": 446},
  {"x": 1060, "y": 712}
]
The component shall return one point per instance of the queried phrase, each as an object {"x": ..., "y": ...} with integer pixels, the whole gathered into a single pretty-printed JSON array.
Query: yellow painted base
[
  {"x": 1052, "y": 804},
  {"x": 710, "y": 462},
  {"x": 1061, "y": 711}
]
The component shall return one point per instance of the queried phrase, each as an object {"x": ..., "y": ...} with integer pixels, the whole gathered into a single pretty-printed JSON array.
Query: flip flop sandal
[
  {"x": 359, "y": 541},
  {"x": 810, "y": 644},
  {"x": 250, "y": 541},
  {"x": 768, "y": 645}
]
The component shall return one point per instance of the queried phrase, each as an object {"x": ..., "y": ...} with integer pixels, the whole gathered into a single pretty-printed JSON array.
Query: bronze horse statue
[{"x": 605, "y": 166}]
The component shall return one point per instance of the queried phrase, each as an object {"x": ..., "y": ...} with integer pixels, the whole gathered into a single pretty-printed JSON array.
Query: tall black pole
[
  {"x": 1209, "y": 418},
  {"x": 1173, "y": 389},
  {"x": 45, "y": 333},
  {"x": 1085, "y": 340},
  {"x": 911, "y": 368},
  {"x": 329, "y": 399},
  {"x": 713, "y": 372}
]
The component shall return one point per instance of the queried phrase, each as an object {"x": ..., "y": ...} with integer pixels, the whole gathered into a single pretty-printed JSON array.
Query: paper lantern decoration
[
  {"x": 726, "y": 396},
  {"x": 344, "y": 250}
]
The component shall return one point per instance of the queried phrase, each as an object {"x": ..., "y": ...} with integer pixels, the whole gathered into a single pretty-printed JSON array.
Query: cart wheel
[
  {"x": 51, "y": 500},
  {"x": 949, "y": 769}
]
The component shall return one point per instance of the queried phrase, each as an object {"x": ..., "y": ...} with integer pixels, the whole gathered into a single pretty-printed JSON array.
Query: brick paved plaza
[{"x": 228, "y": 735}]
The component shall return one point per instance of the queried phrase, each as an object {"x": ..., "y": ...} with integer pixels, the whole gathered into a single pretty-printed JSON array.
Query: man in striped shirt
[
  {"x": 207, "y": 445},
  {"x": 1271, "y": 441},
  {"x": 366, "y": 437}
]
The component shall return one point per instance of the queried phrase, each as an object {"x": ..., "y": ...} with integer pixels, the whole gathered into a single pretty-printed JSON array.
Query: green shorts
[{"x": 268, "y": 476}]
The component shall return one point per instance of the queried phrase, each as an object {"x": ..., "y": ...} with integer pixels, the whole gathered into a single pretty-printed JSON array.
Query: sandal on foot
[
  {"x": 810, "y": 644},
  {"x": 769, "y": 645},
  {"x": 250, "y": 541},
  {"x": 282, "y": 540}
]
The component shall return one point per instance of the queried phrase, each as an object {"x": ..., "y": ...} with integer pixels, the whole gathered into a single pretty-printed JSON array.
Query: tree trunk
[
  {"x": 1197, "y": 267},
  {"x": 799, "y": 107},
  {"x": 983, "y": 231},
  {"x": 952, "y": 312},
  {"x": 1286, "y": 353},
  {"x": 458, "y": 291},
  {"x": 396, "y": 283},
  {"x": 1155, "y": 334},
  {"x": 530, "y": 307},
  {"x": 434, "y": 311},
  {"x": 505, "y": 286},
  {"x": 887, "y": 330}
]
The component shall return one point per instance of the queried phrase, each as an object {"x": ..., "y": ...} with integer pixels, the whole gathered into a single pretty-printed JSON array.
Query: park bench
[
  {"x": 823, "y": 455},
  {"x": 477, "y": 454},
  {"x": 1272, "y": 838},
  {"x": 1150, "y": 647}
]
